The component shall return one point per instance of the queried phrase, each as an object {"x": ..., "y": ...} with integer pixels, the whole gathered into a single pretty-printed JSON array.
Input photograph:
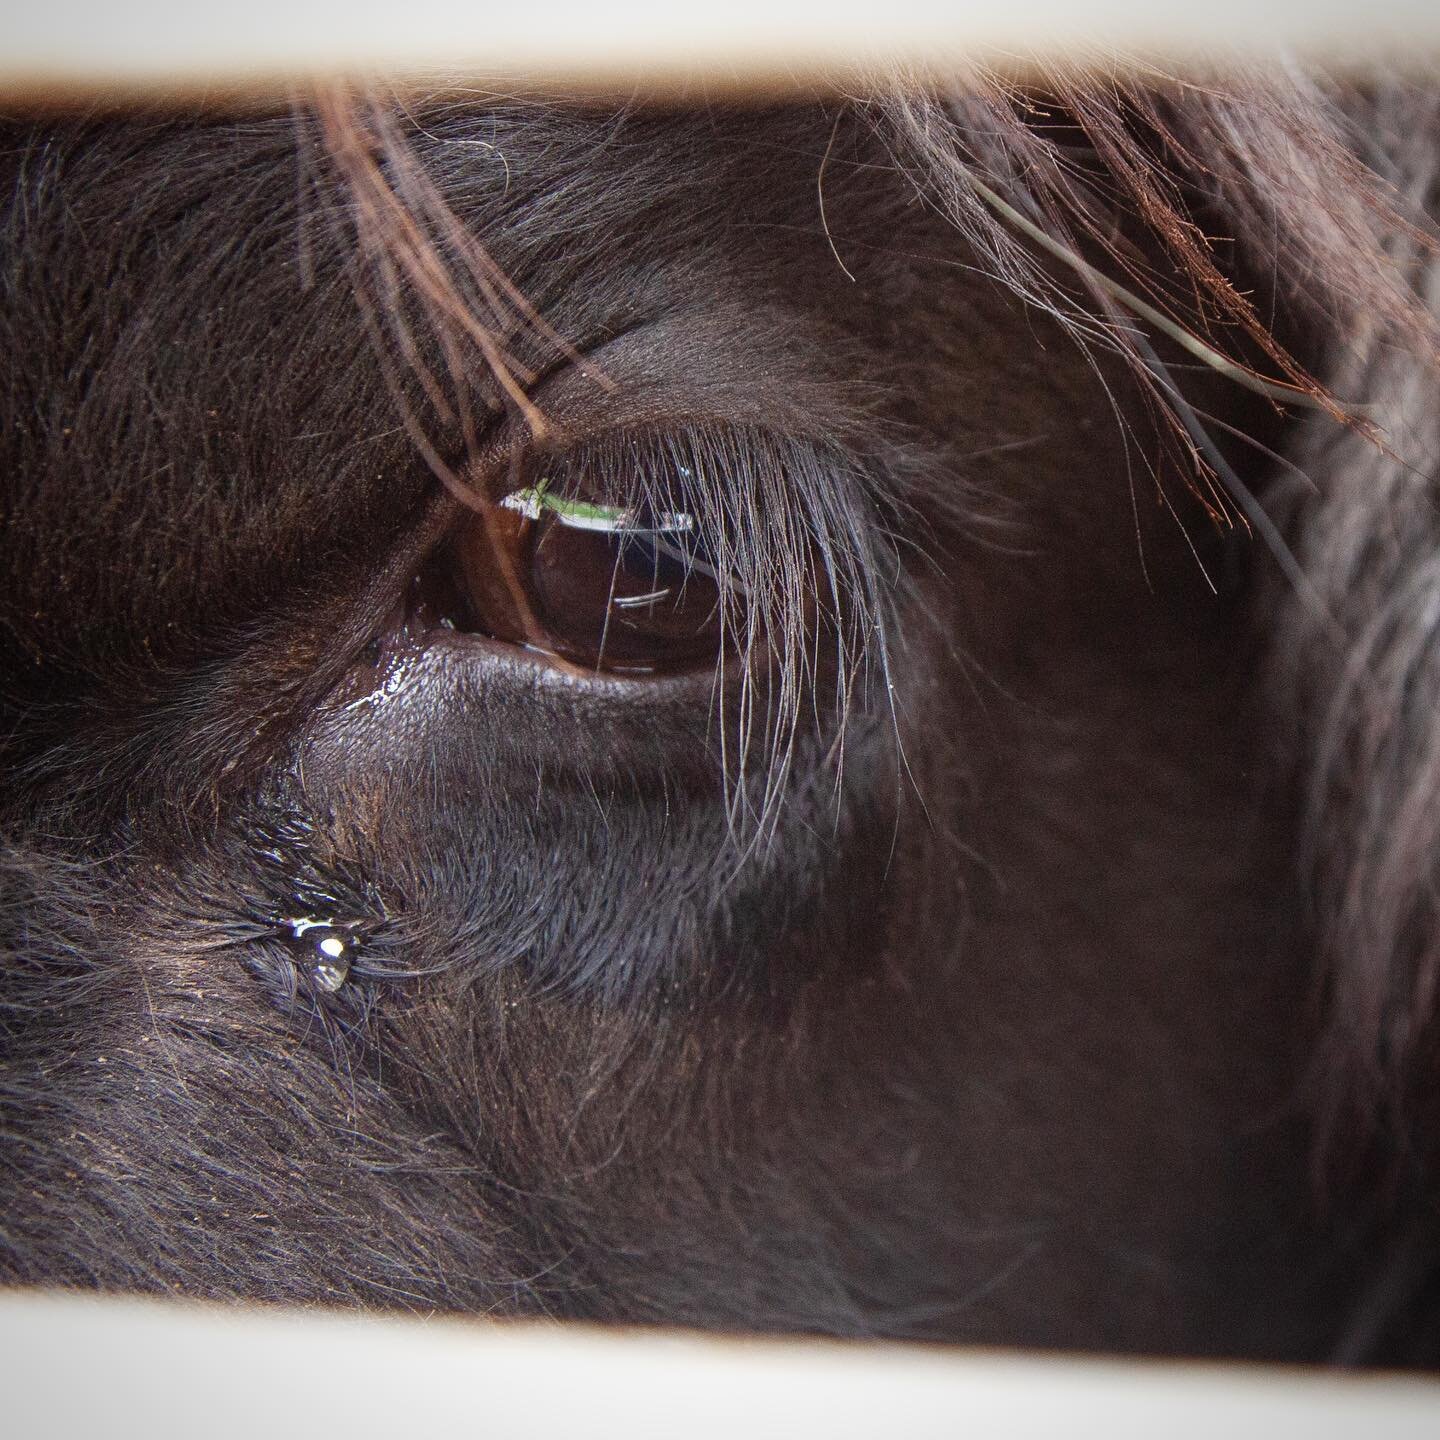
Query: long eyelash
[{"x": 796, "y": 530}]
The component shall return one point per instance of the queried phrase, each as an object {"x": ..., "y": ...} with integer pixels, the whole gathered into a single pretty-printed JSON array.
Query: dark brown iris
[
  {"x": 635, "y": 599},
  {"x": 638, "y": 600}
]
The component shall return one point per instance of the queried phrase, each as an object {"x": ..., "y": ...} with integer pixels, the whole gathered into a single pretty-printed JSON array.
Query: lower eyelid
[
  {"x": 487, "y": 715},
  {"x": 416, "y": 655}
]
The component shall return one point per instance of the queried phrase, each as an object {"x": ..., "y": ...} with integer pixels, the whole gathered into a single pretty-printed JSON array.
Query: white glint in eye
[{"x": 635, "y": 602}]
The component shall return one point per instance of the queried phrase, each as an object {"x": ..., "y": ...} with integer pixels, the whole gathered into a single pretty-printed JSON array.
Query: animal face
[{"x": 638, "y": 715}]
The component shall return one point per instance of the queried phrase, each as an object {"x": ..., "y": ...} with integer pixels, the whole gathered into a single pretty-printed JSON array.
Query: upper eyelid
[{"x": 643, "y": 375}]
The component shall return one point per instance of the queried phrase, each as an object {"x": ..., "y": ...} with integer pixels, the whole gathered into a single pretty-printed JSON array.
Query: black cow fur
[{"x": 1030, "y": 937}]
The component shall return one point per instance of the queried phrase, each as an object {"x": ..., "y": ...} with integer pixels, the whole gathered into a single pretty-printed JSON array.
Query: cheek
[{"x": 589, "y": 835}]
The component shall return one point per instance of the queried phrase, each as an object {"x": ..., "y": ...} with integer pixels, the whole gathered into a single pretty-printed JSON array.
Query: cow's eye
[
  {"x": 612, "y": 587},
  {"x": 644, "y": 597}
]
